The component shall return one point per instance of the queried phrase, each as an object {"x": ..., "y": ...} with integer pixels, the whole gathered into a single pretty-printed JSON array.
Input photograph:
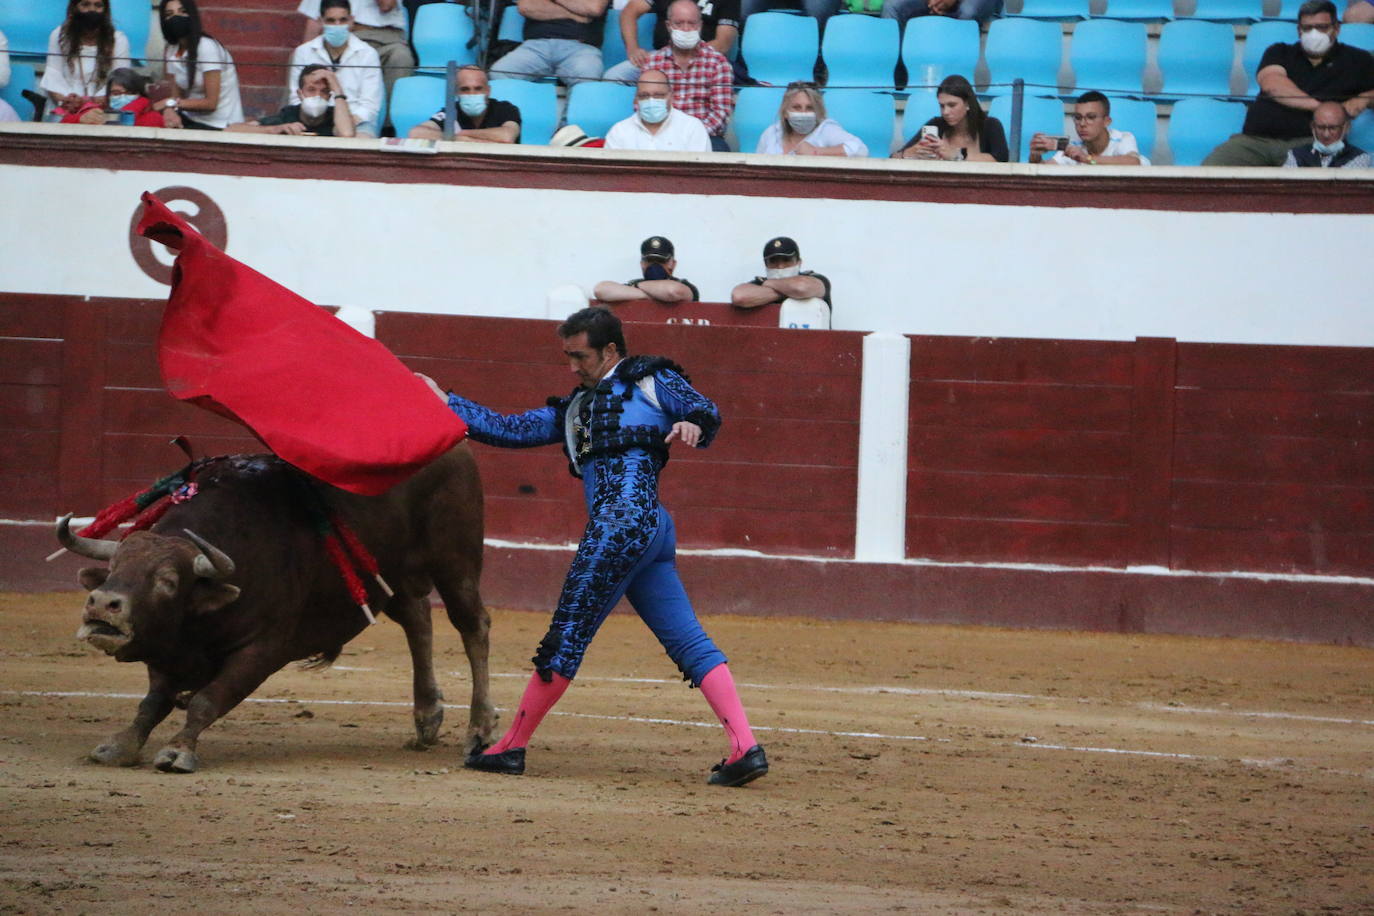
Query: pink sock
[
  {"x": 539, "y": 698},
  {"x": 719, "y": 689}
]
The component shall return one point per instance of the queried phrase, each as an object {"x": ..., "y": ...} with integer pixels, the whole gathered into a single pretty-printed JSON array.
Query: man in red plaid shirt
[{"x": 700, "y": 76}]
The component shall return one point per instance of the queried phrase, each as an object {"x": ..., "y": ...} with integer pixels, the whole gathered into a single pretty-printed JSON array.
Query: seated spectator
[
  {"x": 81, "y": 53},
  {"x": 562, "y": 38},
  {"x": 481, "y": 119},
  {"x": 323, "y": 109},
  {"x": 657, "y": 263},
  {"x": 820, "y": 10},
  {"x": 1359, "y": 11},
  {"x": 380, "y": 23},
  {"x": 1098, "y": 143},
  {"x": 960, "y": 131},
  {"x": 126, "y": 94},
  {"x": 656, "y": 124},
  {"x": 802, "y": 129},
  {"x": 7, "y": 113},
  {"x": 719, "y": 28},
  {"x": 205, "y": 83},
  {"x": 1330, "y": 126},
  {"x": 785, "y": 280},
  {"x": 353, "y": 61},
  {"x": 1293, "y": 80},
  {"x": 902, "y": 10}
]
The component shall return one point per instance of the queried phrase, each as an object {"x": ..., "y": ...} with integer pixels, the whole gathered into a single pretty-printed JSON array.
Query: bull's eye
[{"x": 165, "y": 584}]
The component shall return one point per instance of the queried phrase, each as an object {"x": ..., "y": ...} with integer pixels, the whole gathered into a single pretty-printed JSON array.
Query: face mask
[
  {"x": 1315, "y": 43},
  {"x": 655, "y": 271},
  {"x": 1329, "y": 149},
  {"x": 119, "y": 102},
  {"x": 474, "y": 106},
  {"x": 685, "y": 41},
  {"x": 336, "y": 35},
  {"x": 782, "y": 273},
  {"x": 803, "y": 122},
  {"x": 176, "y": 28},
  {"x": 653, "y": 111},
  {"x": 313, "y": 106},
  {"x": 87, "y": 21}
]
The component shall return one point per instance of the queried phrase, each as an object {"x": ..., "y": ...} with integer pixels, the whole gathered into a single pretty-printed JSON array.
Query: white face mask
[
  {"x": 782, "y": 273},
  {"x": 803, "y": 122},
  {"x": 1315, "y": 43},
  {"x": 313, "y": 106},
  {"x": 685, "y": 41}
]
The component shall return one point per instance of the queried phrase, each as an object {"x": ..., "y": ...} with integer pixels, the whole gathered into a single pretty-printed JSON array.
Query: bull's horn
[
  {"x": 95, "y": 548},
  {"x": 211, "y": 562}
]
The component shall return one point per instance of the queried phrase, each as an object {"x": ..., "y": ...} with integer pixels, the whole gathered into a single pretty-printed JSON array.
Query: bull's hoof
[
  {"x": 171, "y": 760},
  {"x": 115, "y": 755},
  {"x": 427, "y": 726}
]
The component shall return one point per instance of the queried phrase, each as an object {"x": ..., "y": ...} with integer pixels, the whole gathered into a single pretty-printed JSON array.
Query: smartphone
[
  {"x": 1061, "y": 143},
  {"x": 931, "y": 131}
]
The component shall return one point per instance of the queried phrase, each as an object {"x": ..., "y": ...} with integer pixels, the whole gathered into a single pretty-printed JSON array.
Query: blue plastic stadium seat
[
  {"x": 1138, "y": 118},
  {"x": 1288, "y": 11},
  {"x": 1025, "y": 49},
  {"x": 1229, "y": 10},
  {"x": 1357, "y": 35},
  {"x": 1054, "y": 10},
  {"x": 1257, "y": 39},
  {"x": 949, "y": 45},
  {"x": 443, "y": 32},
  {"x": 1108, "y": 55},
  {"x": 756, "y": 107},
  {"x": 415, "y": 99},
  {"x": 134, "y": 19},
  {"x": 538, "y": 104},
  {"x": 780, "y": 47},
  {"x": 613, "y": 44},
  {"x": 1141, "y": 10},
  {"x": 921, "y": 106},
  {"x": 1038, "y": 115},
  {"x": 1362, "y": 130},
  {"x": 1195, "y": 58},
  {"x": 865, "y": 114},
  {"x": 28, "y": 23},
  {"x": 512, "y": 26},
  {"x": 1198, "y": 126},
  {"x": 22, "y": 76},
  {"x": 860, "y": 51},
  {"x": 594, "y": 107}
]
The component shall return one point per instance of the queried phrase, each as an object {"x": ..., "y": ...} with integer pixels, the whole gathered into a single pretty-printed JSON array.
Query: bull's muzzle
[{"x": 106, "y": 621}]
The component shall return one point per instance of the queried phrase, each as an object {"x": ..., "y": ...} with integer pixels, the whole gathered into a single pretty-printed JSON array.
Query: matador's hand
[
  {"x": 433, "y": 386},
  {"x": 689, "y": 433}
]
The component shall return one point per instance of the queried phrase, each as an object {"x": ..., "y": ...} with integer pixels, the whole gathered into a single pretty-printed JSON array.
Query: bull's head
[{"x": 153, "y": 582}]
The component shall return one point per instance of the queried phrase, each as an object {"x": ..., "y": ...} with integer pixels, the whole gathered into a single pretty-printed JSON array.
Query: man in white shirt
[
  {"x": 656, "y": 124},
  {"x": 354, "y": 62},
  {"x": 1098, "y": 143},
  {"x": 380, "y": 23}
]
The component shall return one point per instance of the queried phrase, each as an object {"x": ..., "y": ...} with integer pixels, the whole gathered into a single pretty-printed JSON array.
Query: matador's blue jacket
[{"x": 613, "y": 435}]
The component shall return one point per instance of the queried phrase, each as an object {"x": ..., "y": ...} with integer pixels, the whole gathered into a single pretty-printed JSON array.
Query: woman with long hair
[
  {"x": 205, "y": 83},
  {"x": 960, "y": 131},
  {"x": 802, "y": 129},
  {"x": 81, "y": 53}
]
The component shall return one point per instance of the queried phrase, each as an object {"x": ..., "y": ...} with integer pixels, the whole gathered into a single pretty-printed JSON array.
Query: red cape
[{"x": 334, "y": 403}]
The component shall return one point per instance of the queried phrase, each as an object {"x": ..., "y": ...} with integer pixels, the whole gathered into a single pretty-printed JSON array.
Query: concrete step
[{"x": 260, "y": 34}]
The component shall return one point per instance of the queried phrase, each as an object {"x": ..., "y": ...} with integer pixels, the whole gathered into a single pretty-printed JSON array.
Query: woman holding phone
[{"x": 960, "y": 132}]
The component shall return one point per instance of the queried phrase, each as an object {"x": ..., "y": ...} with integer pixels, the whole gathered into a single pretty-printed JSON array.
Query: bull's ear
[
  {"x": 92, "y": 577},
  {"x": 208, "y": 597}
]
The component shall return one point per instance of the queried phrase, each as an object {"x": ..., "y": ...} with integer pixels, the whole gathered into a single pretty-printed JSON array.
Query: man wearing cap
[
  {"x": 657, "y": 262},
  {"x": 656, "y": 124},
  {"x": 784, "y": 280}
]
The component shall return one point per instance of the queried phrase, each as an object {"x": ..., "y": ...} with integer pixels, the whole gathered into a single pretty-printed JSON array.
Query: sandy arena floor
[{"x": 916, "y": 769}]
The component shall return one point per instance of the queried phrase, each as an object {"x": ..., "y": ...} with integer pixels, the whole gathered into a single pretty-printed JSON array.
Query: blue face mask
[
  {"x": 1328, "y": 149},
  {"x": 336, "y": 35},
  {"x": 474, "y": 106},
  {"x": 118, "y": 102},
  {"x": 653, "y": 111}
]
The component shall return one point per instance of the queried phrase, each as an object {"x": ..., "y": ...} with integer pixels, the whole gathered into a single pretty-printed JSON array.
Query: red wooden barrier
[{"x": 647, "y": 311}]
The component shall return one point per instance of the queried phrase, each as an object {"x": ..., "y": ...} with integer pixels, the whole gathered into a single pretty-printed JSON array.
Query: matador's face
[{"x": 589, "y": 364}]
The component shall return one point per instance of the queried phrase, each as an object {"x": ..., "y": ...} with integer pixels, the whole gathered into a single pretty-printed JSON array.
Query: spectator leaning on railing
[
  {"x": 353, "y": 61},
  {"x": 802, "y": 129},
  {"x": 126, "y": 102},
  {"x": 1328, "y": 150},
  {"x": 960, "y": 131},
  {"x": 1293, "y": 80},
  {"x": 1098, "y": 142},
  {"x": 657, "y": 263},
  {"x": 323, "y": 109},
  {"x": 81, "y": 53},
  {"x": 205, "y": 84},
  {"x": 481, "y": 119},
  {"x": 656, "y": 124},
  {"x": 784, "y": 279}
]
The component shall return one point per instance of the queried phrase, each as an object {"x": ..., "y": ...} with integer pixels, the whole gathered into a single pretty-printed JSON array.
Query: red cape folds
[{"x": 334, "y": 403}]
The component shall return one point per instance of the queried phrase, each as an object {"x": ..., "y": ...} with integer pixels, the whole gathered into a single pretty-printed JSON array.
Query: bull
[{"x": 234, "y": 583}]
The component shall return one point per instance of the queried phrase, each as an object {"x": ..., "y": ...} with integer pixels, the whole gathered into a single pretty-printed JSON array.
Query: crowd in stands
[{"x": 342, "y": 81}]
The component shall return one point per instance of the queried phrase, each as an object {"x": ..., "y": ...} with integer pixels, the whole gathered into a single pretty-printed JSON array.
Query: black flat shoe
[
  {"x": 746, "y": 769},
  {"x": 509, "y": 763}
]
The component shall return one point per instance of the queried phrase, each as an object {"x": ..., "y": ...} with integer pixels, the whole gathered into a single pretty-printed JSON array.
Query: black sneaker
[
  {"x": 509, "y": 763},
  {"x": 746, "y": 769}
]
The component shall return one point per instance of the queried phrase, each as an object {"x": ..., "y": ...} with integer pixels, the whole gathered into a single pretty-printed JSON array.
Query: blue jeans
[
  {"x": 902, "y": 10},
  {"x": 820, "y": 9},
  {"x": 571, "y": 61}
]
